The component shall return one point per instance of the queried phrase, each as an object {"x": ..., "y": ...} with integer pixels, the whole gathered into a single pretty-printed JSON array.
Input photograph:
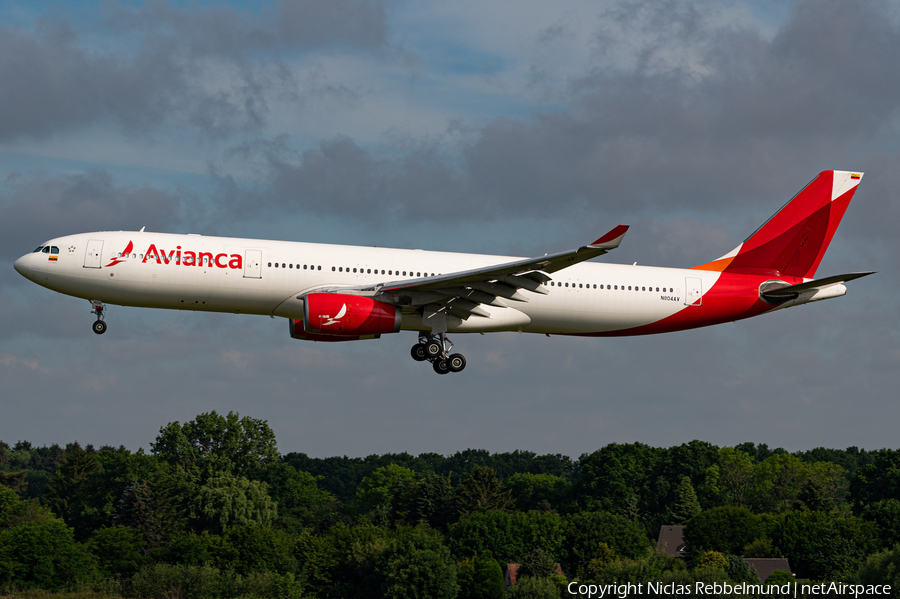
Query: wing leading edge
[{"x": 461, "y": 293}]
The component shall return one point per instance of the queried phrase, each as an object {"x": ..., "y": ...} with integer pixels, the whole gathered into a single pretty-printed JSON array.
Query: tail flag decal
[{"x": 793, "y": 241}]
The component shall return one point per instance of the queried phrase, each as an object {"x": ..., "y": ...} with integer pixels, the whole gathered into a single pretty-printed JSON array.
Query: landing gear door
[
  {"x": 92, "y": 253},
  {"x": 693, "y": 291},
  {"x": 252, "y": 264}
]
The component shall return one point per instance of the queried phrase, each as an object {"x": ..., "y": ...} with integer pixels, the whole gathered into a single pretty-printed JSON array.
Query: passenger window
[
  {"x": 580, "y": 285},
  {"x": 418, "y": 274},
  {"x": 643, "y": 289},
  {"x": 332, "y": 269},
  {"x": 304, "y": 267},
  {"x": 617, "y": 287},
  {"x": 390, "y": 272},
  {"x": 276, "y": 265},
  {"x": 320, "y": 268},
  {"x": 595, "y": 285},
  {"x": 290, "y": 266}
]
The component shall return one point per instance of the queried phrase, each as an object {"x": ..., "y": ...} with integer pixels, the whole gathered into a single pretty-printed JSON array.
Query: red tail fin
[{"x": 794, "y": 240}]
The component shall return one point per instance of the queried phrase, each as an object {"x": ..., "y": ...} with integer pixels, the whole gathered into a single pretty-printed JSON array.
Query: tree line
[{"x": 214, "y": 510}]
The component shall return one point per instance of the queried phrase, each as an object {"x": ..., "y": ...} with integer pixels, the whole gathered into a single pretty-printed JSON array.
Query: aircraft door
[
  {"x": 693, "y": 291},
  {"x": 252, "y": 264},
  {"x": 92, "y": 253}
]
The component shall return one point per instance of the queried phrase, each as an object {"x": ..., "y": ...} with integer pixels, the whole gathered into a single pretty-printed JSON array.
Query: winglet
[{"x": 610, "y": 240}]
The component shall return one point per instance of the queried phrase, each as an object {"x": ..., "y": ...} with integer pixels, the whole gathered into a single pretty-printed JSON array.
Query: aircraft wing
[{"x": 461, "y": 293}]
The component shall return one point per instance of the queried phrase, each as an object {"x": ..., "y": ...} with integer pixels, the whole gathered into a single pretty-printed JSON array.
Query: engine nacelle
[
  {"x": 346, "y": 316},
  {"x": 298, "y": 332}
]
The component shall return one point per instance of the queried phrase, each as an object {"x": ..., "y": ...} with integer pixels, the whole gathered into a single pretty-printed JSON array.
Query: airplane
[{"x": 349, "y": 293}]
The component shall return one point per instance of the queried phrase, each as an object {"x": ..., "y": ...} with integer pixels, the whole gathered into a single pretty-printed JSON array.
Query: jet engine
[{"x": 341, "y": 317}]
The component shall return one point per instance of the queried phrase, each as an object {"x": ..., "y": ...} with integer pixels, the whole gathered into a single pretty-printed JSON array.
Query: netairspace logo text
[{"x": 718, "y": 589}]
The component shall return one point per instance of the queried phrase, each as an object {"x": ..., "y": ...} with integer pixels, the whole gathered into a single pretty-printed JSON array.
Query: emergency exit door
[
  {"x": 92, "y": 253},
  {"x": 252, "y": 264},
  {"x": 693, "y": 291}
]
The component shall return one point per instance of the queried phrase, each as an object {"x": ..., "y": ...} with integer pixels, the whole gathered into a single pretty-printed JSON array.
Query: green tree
[
  {"x": 877, "y": 480},
  {"x": 227, "y": 500},
  {"x": 725, "y": 529},
  {"x": 301, "y": 504},
  {"x": 881, "y": 568},
  {"x": 259, "y": 549},
  {"x": 70, "y": 492},
  {"x": 136, "y": 509},
  {"x": 430, "y": 500},
  {"x": 608, "y": 477},
  {"x": 480, "y": 577},
  {"x": 212, "y": 443},
  {"x": 735, "y": 475},
  {"x": 529, "y": 587},
  {"x": 886, "y": 514},
  {"x": 586, "y": 532},
  {"x": 824, "y": 546},
  {"x": 711, "y": 559},
  {"x": 686, "y": 503},
  {"x": 119, "y": 550},
  {"x": 14, "y": 480},
  {"x": 417, "y": 564},
  {"x": 376, "y": 491},
  {"x": 538, "y": 491},
  {"x": 43, "y": 555},
  {"x": 481, "y": 491},
  {"x": 537, "y": 563},
  {"x": 509, "y": 536}
]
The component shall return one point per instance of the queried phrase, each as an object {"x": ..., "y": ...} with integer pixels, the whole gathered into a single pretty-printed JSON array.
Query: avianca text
[{"x": 189, "y": 258}]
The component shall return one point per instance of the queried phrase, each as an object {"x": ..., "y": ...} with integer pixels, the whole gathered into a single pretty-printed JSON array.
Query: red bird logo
[{"x": 125, "y": 254}]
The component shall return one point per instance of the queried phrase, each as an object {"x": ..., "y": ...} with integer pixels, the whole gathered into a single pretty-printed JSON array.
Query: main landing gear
[
  {"x": 436, "y": 349},
  {"x": 99, "y": 325}
]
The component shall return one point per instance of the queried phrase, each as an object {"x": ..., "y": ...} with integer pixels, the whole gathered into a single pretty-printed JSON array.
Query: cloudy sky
[{"x": 508, "y": 127}]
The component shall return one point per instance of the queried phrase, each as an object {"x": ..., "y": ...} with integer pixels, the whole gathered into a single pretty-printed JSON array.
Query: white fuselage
[{"x": 250, "y": 276}]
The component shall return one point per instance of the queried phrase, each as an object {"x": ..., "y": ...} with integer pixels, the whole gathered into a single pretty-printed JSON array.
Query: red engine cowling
[{"x": 340, "y": 317}]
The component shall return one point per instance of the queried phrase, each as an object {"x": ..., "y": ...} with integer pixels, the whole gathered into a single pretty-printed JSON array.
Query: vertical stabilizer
[{"x": 794, "y": 240}]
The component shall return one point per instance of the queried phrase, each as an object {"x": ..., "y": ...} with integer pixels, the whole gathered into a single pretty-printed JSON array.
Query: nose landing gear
[
  {"x": 436, "y": 349},
  {"x": 99, "y": 325}
]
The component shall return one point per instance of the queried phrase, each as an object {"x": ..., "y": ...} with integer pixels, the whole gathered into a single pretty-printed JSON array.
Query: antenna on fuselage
[{"x": 142, "y": 229}]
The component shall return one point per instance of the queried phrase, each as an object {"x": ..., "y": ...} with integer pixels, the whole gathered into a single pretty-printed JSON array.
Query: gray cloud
[
  {"x": 54, "y": 82},
  {"x": 35, "y": 208},
  {"x": 747, "y": 121}
]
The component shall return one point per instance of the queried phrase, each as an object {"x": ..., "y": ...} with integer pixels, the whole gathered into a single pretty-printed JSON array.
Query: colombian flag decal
[
  {"x": 854, "y": 175},
  {"x": 53, "y": 258}
]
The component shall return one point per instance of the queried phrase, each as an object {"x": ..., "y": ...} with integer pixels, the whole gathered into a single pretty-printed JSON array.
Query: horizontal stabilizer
[{"x": 817, "y": 284}]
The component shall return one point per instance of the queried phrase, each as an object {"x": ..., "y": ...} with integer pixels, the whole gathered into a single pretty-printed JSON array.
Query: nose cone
[{"x": 22, "y": 266}]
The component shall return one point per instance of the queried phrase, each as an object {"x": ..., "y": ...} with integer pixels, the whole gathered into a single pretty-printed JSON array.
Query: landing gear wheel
[
  {"x": 442, "y": 366},
  {"x": 433, "y": 349},
  {"x": 456, "y": 362},
  {"x": 418, "y": 352},
  {"x": 99, "y": 327}
]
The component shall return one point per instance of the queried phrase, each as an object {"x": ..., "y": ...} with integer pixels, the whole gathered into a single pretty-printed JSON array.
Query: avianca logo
[
  {"x": 337, "y": 317},
  {"x": 125, "y": 254},
  {"x": 183, "y": 257}
]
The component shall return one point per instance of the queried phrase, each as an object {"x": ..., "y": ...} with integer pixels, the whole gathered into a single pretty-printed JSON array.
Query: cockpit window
[
  {"x": 54, "y": 250},
  {"x": 37, "y": 250},
  {"x": 46, "y": 249}
]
